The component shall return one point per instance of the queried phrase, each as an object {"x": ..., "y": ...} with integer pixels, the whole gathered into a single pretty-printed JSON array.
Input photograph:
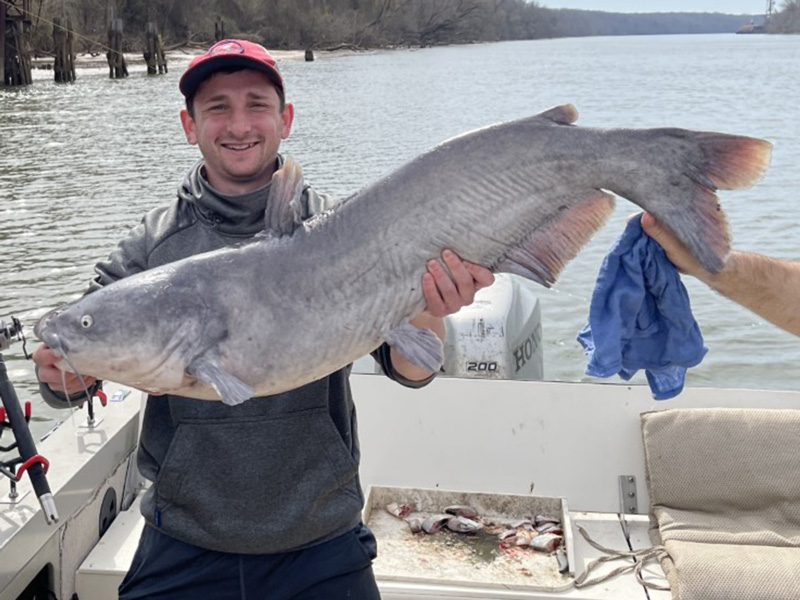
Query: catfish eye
[{"x": 86, "y": 321}]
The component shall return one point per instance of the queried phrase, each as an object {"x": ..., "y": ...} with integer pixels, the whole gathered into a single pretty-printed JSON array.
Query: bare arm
[
  {"x": 444, "y": 295},
  {"x": 767, "y": 286}
]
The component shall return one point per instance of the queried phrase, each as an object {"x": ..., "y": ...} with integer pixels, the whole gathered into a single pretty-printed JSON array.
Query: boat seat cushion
[{"x": 724, "y": 490}]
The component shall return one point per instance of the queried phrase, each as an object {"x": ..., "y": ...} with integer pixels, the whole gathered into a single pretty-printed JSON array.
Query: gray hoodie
[{"x": 271, "y": 475}]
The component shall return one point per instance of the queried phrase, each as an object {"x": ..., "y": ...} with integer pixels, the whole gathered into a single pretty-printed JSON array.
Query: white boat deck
[{"x": 572, "y": 441}]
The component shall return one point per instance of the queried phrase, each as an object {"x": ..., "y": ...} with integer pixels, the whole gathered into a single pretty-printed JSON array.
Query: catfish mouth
[
  {"x": 48, "y": 334},
  {"x": 50, "y": 337}
]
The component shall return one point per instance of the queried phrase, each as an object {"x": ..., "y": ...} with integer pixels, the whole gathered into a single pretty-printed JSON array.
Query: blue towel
[{"x": 640, "y": 317}]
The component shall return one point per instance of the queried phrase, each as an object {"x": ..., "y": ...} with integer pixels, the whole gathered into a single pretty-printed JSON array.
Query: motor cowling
[{"x": 499, "y": 336}]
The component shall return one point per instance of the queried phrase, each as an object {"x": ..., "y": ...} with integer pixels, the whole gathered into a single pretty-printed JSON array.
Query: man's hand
[
  {"x": 676, "y": 252},
  {"x": 445, "y": 294},
  {"x": 767, "y": 286},
  {"x": 52, "y": 376}
]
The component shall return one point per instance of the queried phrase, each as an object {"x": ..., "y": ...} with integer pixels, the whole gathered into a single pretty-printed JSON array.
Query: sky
[{"x": 733, "y": 7}]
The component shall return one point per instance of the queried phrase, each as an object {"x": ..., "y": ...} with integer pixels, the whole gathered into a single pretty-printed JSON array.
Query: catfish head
[{"x": 142, "y": 331}]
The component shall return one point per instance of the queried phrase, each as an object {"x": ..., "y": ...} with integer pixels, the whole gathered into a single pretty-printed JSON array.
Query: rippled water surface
[{"x": 80, "y": 163}]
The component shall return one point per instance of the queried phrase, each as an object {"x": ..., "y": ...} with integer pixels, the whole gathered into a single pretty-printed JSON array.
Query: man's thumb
[{"x": 651, "y": 226}]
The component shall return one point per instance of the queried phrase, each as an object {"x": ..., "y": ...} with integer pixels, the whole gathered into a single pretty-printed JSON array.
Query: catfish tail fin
[{"x": 680, "y": 178}]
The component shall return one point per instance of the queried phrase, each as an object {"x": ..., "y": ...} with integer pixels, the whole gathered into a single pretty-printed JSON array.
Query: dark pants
[{"x": 165, "y": 568}]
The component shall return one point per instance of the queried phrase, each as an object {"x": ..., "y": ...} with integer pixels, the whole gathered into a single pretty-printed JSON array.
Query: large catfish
[{"x": 302, "y": 301}]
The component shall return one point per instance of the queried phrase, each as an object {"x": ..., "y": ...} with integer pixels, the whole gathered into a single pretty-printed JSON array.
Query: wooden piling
[
  {"x": 154, "y": 51},
  {"x": 63, "y": 43},
  {"x": 162, "y": 58},
  {"x": 117, "y": 68},
  {"x": 2, "y": 44},
  {"x": 24, "y": 54},
  {"x": 69, "y": 54},
  {"x": 150, "y": 49},
  {"x": 22, "y": 51},
  {"x": 219, "y": 30},
  {"x": 15, "y": 48},
  {"x": 58, "y": 46}
]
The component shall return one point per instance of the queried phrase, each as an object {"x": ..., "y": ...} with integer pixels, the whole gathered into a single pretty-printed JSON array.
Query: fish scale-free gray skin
[{"x": 280, "y": 312}]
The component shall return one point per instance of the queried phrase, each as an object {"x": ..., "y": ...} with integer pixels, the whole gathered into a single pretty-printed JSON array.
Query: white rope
[{"x": 639, "y": 556}]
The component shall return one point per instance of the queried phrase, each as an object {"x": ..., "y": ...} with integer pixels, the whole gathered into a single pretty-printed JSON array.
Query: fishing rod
[{"x": 12, "y": 416}]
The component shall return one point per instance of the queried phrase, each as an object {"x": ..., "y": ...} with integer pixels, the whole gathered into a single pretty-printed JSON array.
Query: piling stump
[
  {"x": 154, "y": 51},
  {"x": 15, "y": 47},
  {"x": 219, "y": 30},
  {"x": 117, "y": 68},
  {"x": 64, "y": 62}
]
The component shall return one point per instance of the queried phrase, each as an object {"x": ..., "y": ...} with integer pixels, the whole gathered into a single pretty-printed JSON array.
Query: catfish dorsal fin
[
  {"x": 566, "y": 114},
  {"x": 543, "y": 254},
  {"x": 284, "y": 206}
]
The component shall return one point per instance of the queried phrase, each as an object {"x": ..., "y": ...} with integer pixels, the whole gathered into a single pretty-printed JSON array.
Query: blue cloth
[{"x": 640, "y": 317}]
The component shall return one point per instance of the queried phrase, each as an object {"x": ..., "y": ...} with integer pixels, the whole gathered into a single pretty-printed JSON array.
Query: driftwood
[
  {"x": 351, "y": 47},
  {"x": 190, "y": 44}
]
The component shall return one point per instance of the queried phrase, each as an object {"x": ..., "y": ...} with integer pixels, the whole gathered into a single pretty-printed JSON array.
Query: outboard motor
[{"x": 499, "y": 336}]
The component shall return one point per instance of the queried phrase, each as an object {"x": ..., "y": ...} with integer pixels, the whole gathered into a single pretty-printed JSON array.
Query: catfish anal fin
[{"x": 543, "y": 255}]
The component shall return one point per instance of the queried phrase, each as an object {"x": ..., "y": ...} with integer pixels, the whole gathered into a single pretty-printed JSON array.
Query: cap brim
[{"x": 192, "y": 79}]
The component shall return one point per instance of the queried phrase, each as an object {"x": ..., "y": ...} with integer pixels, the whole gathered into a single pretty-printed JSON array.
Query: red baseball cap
[{"x": 225, "y": 54}]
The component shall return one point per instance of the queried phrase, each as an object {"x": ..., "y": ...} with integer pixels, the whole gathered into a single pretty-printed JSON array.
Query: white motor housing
[{"x": 499, "y": 336}]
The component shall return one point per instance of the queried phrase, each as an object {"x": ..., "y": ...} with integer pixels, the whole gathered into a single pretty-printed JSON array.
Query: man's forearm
[{"x": 768, "y": 286}]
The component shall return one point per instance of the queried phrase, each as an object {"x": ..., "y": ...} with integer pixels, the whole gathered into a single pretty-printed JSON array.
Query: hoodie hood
[{"x": 232, "y": 215}]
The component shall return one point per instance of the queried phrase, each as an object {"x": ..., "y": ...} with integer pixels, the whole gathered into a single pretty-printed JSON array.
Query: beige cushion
[
  {"x": 731, "y": 572},
  {"x": 725, "y": 501}
]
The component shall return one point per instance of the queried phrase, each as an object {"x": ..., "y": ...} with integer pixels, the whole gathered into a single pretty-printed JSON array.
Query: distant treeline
[
  {"x": 589, "y": 22},
  {"x": 325, "y": 24}
]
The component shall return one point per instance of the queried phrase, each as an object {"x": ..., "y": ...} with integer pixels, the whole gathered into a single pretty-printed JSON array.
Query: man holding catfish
[{"x": 261, "y": 499}]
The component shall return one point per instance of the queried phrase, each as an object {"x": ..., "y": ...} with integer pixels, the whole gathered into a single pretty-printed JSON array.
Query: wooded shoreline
[
  {"x": 149, "y": 28},
  {"x": 364, "y": 24}
]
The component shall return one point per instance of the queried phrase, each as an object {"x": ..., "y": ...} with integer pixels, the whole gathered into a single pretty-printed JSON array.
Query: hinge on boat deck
[{"x": 628, "y": 502}]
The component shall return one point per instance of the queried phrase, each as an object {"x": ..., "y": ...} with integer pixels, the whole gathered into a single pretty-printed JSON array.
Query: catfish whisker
[{"x": 80, "y": 378}]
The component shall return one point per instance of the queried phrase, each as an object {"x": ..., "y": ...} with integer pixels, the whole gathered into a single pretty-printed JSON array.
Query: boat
[
  {"x": 751, "y": 27},
  {"x": 468, "y": 432}
]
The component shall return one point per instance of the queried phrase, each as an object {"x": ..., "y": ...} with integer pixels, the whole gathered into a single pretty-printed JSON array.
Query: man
[
  {"x": 767, "y": 286},
  {"x": 260, "y": 500}
]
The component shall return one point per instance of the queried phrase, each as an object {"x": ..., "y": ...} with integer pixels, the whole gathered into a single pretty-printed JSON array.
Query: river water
[{"x": 80, "y": 163}]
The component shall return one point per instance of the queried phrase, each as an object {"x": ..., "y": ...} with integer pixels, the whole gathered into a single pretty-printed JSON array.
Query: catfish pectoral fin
[
  {"x": 421, "y": 346},
  {"x": 231, "y": 390}
]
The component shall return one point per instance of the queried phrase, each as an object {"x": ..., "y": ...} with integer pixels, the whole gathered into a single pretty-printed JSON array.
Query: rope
[
  {"x": 74, "y": 33},
  {"x": 640, "y": 557}
]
